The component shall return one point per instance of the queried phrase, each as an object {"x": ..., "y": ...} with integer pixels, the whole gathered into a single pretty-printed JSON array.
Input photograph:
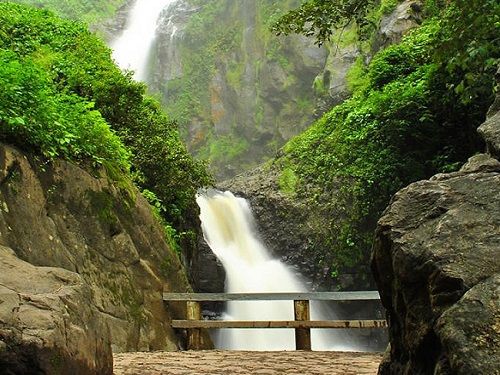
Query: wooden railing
[{"x": 302, "y": 323}]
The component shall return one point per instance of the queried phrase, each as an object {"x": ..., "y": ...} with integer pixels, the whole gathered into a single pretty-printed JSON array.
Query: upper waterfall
[{"x": 132, "y": 48}]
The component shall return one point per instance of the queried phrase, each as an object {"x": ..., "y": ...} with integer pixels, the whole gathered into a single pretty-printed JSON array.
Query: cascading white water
[
  {"x": 132, "y": 48},
  {"x": 228, "y": 228}
]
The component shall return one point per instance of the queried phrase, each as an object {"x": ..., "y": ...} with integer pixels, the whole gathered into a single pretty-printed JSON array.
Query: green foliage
[
  {"x": 468, "y": 47},
  {"x": 319, "y": 18},
  {"x": 287, "y": 181},
  {"x": 35, "y": 114},
  {"x": 414, "y": 113},
  {"x": 172, "y": 237},
  {"x": 89, "y": 11},
  {"x": 61, "y": 93},
  {"x": 401, "y": 60},
  {"x": 387, "y": 6}
]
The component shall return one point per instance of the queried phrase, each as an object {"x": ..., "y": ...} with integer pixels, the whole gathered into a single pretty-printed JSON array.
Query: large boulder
[
  {"x": 490, "y": 129},
  {"x": 437, "y": 266},
  {"x": 49, "y": 322},
  {"x": 59, "y": 215}
]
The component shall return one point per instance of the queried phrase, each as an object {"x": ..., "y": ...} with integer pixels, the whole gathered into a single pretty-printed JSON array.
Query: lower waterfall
[{"x": 229, "y": 229}]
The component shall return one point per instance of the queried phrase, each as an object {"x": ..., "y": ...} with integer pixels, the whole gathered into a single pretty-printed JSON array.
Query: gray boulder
[
  {"x": 490, "y": 129},
  {"x": 393, "y": 26},
  {"x": 59, "y": 215},
  {"x": 49, "y": 323},
  {"x": 436, "y": 260}
]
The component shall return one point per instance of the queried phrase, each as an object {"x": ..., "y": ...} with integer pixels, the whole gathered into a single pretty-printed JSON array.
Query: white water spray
[
  {"x": 228, "y": 228},
  {"x": 132, "y": 48}
]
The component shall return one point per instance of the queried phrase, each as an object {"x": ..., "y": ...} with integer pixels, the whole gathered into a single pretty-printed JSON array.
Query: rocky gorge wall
[
  {"x": 83, "y": 266},
  {"x": 238, "y": 91},
  {"x": 436, "y": 261}
]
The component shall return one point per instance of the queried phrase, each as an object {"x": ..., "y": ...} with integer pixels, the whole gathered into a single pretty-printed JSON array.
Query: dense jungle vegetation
[
  {"x": 413, "y": 113},
  {"x": 62, "y": 96},
  {"x": 90, "y": 11}
]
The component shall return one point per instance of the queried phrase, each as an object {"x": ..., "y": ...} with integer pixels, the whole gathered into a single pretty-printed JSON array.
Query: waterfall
[
  {"x": 132, "y": 48},
  {"x": 229, "y": 229}
]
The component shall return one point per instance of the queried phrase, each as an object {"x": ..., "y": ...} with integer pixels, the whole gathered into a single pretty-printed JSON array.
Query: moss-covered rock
[{"x": 56, "y": 214}]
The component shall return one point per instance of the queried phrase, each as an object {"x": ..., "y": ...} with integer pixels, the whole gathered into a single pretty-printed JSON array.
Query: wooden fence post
[
  {"x": 194, "y": 334},
  {"x": 302, "y": 335}
]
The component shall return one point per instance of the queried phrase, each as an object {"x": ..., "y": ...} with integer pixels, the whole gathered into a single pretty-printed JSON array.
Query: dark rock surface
[
  {"x": 48, "y": 322},
  {"x": 470, "y": 330},
  {"x": 287, "y": 225},
  {"x": 436, "y": 259},
  {"x": 490, "y": 130},
  {"x": 58, "y": 215}
]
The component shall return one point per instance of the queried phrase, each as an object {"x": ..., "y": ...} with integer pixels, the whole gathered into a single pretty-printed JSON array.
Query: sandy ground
[{"x": 214, "y": 362}]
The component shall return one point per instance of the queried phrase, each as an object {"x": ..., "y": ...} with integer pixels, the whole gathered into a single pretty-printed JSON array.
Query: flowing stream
[
  {"x": 131, "y": 49},
  {"x": 228, "y": 228}
]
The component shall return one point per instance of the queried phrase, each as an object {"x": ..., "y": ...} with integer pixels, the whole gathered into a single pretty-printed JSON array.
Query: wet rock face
[
  {"x": 393, "y": 26},
  {"x": 167, "y": 63},
  {"x": 49, "y": 323},
  {"x": 294, "y": 229},
  {"x": 58, "y": 215},
  {"x": 436, "y": 263}
]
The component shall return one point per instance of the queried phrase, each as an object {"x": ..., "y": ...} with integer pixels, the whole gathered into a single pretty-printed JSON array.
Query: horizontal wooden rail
[
  {"x": 302, "y": 323},
  {"x": 279, "y": 324},
  {"x": 317, "y": 296}
]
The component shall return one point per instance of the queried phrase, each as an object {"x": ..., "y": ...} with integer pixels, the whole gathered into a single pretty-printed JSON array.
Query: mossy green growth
[
  {"x": 407, "y": 120},
  {"x": 288, "y": 181},
  {"x": 223, "y": 148},
  {"x": 357, "y": 79},
  {"x": 89, "y": 11},
  {"x": 103, "y": 203},
  {"x": 63, "y": 96}
]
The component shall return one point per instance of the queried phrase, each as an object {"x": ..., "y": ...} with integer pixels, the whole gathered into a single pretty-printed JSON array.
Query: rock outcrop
[
  {"x": 436, "y": 260},
  {"x": 48, "y": 322},
  {"x": 393, "y": 26},
  {"x": 103, "y": 236}
]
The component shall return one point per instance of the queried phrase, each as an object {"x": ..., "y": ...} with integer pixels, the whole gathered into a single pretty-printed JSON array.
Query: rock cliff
[
  {"x": 87, "y": 257},
  {"x": 237, "y": 90},
  {"x": 436, "y": 262},
  {"x": 240, "y": 92}
]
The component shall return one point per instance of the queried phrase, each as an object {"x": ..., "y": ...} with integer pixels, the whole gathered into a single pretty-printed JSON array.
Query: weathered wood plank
[
  {"x": 279, "y": 324},
  {"x": 302, "y": 335},
  {"x": 194, "y": 334},
  {"x": 325, "y": 296}
]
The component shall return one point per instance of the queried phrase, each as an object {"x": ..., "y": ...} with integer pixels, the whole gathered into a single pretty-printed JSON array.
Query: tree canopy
[{"x": 320, "y": 18}]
